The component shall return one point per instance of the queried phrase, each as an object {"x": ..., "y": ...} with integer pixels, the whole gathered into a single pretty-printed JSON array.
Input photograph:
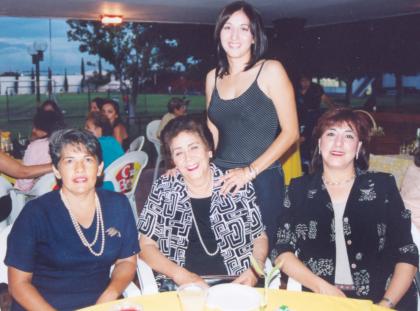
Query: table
[
  {"x": 296, "y": 301},
  {"x": 396, "y": 164}
]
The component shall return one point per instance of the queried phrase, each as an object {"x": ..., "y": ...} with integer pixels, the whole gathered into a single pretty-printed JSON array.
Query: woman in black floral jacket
[{"x": 345, "y": 231}]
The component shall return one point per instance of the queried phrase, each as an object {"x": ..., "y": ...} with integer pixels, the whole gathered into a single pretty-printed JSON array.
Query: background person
[
  {"x": 176, "y": 107},
  {"x": 62, "y": 244},
  {"x": 410, "y": 189},
  {"x": 99, "y": 125},
  {"x": 111, "y": 110},
  {"x": 96, "y": 104},
  {"x": 50, "y": 105},
  {"x": 310, "y": 95},
  {"x": 348, "y": 226},
  {"x": 248, "y": 100},
  {"x": 37, "y": 152},
  {"x": 188, "y": 227}
]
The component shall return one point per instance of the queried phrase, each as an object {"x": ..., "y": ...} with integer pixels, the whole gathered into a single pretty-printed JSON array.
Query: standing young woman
[{"x": 248, "y": 100}]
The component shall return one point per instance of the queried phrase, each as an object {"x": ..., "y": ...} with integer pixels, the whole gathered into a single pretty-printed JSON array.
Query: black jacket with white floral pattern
[{"x": 376, "y": 230}]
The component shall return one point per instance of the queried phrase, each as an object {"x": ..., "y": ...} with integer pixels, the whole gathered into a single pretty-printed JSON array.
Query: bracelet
[
  {"x": 388, "y": 301},
  {"x": 252, "y": 171}
]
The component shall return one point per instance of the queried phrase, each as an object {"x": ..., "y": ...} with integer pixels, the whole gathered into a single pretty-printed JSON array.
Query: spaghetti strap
[{"x": 259, "y": 71}]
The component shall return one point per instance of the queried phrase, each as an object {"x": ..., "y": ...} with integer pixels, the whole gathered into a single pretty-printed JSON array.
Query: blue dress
[
  {"x": 111, "y": 149},
  {"x": 44, "y": 242}
]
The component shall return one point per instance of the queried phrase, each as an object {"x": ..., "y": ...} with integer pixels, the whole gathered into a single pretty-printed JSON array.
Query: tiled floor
[{"x": 143, "y": 188}]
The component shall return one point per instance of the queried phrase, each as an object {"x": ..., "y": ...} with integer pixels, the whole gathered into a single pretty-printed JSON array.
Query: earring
[
  {"x": 319, "y": 150},
  {"x": 357, "y": 155}
]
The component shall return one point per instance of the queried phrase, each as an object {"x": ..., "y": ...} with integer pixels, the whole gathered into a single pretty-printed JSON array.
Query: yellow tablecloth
[
  {"x": 396, "y": 164},
  {"x": 296, "y": 301}
]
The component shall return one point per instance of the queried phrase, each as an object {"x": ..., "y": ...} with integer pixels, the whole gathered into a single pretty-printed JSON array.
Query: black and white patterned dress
[
  {"x": 235, "y": 221},
  {"x": 376, "y": 230}
]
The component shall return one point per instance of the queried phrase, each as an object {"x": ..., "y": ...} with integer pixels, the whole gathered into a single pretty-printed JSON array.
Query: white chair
[
  {"x": 136, "y": 144},
  {"x": 151, "y": 133},
  {"x": 4, "y": 233},
  {"x": 146, "y": 278},
  {"x": 275, "y": 283},
  {"x": 44, "y": 184},
  {"x": 124, "y": 174},
  {"x": 5, "y": 187},
  {"x": 131, "y": 290}
]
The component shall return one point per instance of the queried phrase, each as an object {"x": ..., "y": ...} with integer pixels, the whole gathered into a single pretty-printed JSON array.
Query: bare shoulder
[
  {"x": 273, "y": 67},
  {"x": 210, "y": 77}
]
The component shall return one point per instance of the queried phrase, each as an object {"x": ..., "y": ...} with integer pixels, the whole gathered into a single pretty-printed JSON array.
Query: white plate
[{"x": 233, "y": 297}]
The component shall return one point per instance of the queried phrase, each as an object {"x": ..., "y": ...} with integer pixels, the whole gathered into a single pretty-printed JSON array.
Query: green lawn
[
  {"x": 21, "y": 108},
  {"x": 16, "y": 112}
]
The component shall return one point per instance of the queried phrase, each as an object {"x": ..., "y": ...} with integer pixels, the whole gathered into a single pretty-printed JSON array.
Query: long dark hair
[
  {"x": 257, "y": 30},
  {"x": 358, "y": 123}
]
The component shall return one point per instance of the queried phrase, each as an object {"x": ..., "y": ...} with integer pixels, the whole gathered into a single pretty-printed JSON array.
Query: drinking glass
[{"x": 193, "y": 296}]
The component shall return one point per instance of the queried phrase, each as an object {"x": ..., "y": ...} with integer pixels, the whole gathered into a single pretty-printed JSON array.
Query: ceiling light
[{"x": 111, "y": 19}]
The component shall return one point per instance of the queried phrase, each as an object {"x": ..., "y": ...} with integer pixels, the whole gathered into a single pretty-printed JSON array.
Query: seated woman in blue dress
[
  {"x": 348, "y": 227},
  {"x": 188, "y": 228},
  {"x": 99, "y": 125},
  {"x": 62, "y": 245}
]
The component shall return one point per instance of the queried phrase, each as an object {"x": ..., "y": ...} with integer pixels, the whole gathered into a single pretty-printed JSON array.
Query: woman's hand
[
  {"x": 234, "y": 180},
  {"x": 326, "y": 288},
  {"x": 247, "y": 277},
  {"x": 183, "y": 276},
  {"x": 170, "y": 172}
]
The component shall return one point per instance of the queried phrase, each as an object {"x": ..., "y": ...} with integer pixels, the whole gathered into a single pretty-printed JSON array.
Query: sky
[{"x": 16, "y": 34}]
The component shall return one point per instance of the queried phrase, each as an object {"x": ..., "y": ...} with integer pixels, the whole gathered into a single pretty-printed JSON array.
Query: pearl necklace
[
  {"x": 338, "y": 183},
  {"x": 99, "y": 226}
]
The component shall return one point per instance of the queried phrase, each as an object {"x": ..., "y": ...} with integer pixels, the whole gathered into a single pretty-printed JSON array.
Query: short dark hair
[
  {"x": 176, "y": 103},
  {"x": 99, "y": 102},
  {"x": 179, "y": 125},
  {"x": 356, "y": 120},
  {"x": 75, "y": 137},
  {"x": 101, "y": 121},
  {"x": 47, "y": 121},
  {"x": 257, "y": 30}
]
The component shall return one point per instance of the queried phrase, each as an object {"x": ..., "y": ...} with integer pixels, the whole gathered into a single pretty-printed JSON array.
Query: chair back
[
  {"x": 124, "y": 174},
  {"x": 4, "y": 233},
  {"x": 146, "y": 278},
  {"x": 5, "y": 186},
  {"x": 136, "y": 144},
  {"x": 44, "y": 184},
  {"x": 151, "y": 133}
]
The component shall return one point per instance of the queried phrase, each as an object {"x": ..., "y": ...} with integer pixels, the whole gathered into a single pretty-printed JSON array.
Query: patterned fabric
[
  {"x": 376, "y": 230},
  {"x": 235, "y": 221}
]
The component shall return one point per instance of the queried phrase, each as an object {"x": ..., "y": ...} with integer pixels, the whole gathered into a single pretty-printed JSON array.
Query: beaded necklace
[
  {"x": 99, "y": 226},
  {"x": 337, "y": 183}
]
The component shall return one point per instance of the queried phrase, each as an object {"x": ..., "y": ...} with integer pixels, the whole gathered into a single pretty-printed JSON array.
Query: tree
[
  {"x": 49, "y": 85},
  {"x": 16, "y": 84},
  {"x": 136, "y": 51},
  {"x": 32, "y": 81},
  {"x": 100, "y": 67},
  {"x": 82, "y": 72},
  {"x": 66, "y": 82}
]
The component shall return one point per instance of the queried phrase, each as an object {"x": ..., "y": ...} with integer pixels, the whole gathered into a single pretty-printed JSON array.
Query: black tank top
[{"x": 247, "y": 125}]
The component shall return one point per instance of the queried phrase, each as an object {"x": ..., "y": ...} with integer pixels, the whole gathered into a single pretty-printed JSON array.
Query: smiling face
[
  {"x": 190, "y": 156},
  {"x": 236, "y": 37},
  {"x": 339, "y": 145},
  {"x": 109, "y": 111},
  {"x": 77, "y": 169}
]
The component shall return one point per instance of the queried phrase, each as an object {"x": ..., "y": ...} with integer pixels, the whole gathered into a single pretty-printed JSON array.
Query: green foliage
[{"x": 66, "y": 82}]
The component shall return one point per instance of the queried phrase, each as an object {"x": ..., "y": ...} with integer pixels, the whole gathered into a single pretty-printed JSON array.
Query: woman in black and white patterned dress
[
  {"x": 188, "y": 227},
  {"x": 348, "y": 227}
]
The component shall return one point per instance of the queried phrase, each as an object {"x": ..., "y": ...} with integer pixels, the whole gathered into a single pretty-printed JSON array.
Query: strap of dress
[{"x": 259, "y": 71}]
